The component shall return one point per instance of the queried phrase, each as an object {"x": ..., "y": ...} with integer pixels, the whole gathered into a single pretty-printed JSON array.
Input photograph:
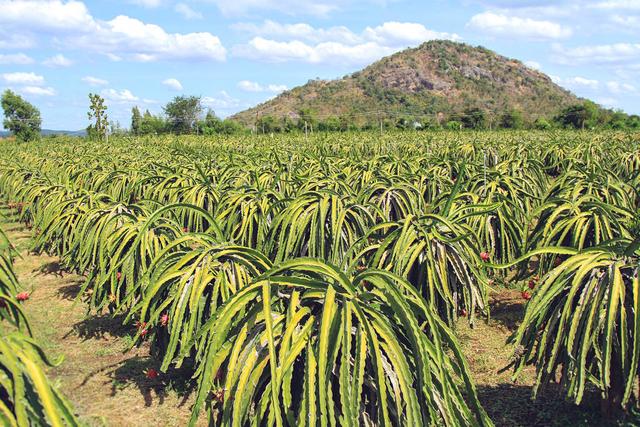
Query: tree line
[{"x": 187, "y": 115}]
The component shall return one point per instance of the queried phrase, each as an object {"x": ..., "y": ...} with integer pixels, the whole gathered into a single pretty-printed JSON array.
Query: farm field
[{"x": 341, "y": 279}]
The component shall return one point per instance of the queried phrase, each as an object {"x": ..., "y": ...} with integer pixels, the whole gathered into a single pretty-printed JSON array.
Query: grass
[{"x": 108, "y": 385}]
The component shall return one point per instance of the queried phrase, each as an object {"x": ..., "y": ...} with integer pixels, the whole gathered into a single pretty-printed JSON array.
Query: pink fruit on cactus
[{"x": 164, "y": 319}]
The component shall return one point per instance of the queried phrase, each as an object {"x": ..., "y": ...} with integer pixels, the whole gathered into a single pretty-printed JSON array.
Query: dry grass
[{"x": 107, "y": 385}]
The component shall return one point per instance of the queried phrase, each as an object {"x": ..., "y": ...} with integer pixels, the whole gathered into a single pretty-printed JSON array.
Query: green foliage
[
  {"x": 136, "y": 119},
  {"x": 183, "y": 113},
  {"x": 317, "y": 278},
  {"x": 583, "y": 323},
  {"x": 98, "y": 113},
  {"x": 579, "y": 116},
  {"x": 512, "y": 120},
  {"x": 20, "y": 117}
]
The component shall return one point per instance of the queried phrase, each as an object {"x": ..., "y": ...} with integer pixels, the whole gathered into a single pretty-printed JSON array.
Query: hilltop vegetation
[{"x": 439, "y": 81}]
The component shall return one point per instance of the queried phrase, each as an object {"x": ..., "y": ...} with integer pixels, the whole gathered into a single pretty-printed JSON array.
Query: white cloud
[
  {"x": 581, "y": 81},
  {"x": 332, "y": 45},
  {"x": 533, "y": 65},
  {"x": 46, "y": 16},
  {"x": 15, "y": 59},
  {"x": 618, "y": 88},
  {"x": 187, "y": 12},
  {"x": 223, "y": 103},
  {"x": 597, "y": 54},
  {"x": 502, "y": 25},
  {"x": 58, "y": 60},
  {"x": 123, "y": 96},
  {"x": 632, "y": 22},
  {"x": 94, "y": 81},
  {"x": 121, "y": 37},
  {"x": 147, "y": 3},
  {"x": 249, "y": 86},
  {"x": 37, "y": 91},
  {"x": 404, "y": 34},
  {"x": 576, "y": 82},
  {"x": 617, "y": 4},
  {"x": 289, "y": 7},
  {"x": 387, "y": 34},
  {"x": 16, "y": 41},
  {"x": 23, "y": 78},
  {"x": 300, "y": 31},
  {"x": 173, "y": 84},
  {"x": 607, "y": 102},
  {"x": 260, "y": 48}
]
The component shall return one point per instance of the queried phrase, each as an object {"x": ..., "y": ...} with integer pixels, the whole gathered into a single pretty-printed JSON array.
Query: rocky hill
[{"x": 439, "y": 78}]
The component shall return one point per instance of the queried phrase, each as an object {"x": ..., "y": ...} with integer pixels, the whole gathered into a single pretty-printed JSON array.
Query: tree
[
  {"x": 151, "y": 124},
  {"x": 307, "y": 120},
  {"x": 512, "y": 120},
  {"x": 633, "y": 121},
  {"x": 182, "y": 113},
  {"x": 579, "y": 116},
  {"x": 473, "y": 118},
  {"x": 20, "y": 117},
  {"x": 542, "y": 124},
  {"x": 136, "y": 118},
  {"x": 268, "y": 124},
  {"x": 97, "y": 113}
]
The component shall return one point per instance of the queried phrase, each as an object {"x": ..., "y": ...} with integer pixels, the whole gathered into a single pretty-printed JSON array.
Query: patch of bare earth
[{"x": 106, "y": 384}]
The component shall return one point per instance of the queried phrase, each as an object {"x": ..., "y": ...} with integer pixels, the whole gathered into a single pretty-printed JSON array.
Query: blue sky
[{"x": 238, "y": 53}]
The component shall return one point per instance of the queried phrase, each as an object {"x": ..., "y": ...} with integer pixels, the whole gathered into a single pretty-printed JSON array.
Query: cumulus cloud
[
  {"x": 147, "y": 3},
  {"x": 289, "y": 7},
  {"x": 618, "y": 88},
  {"x": 21, "y": 78},
  {"x": 58, "y": 60},
  {"x": 332, "y": 45},
  {"x": 37, "y": 91},
  {"x": 173, "y": 84},
  {"x": 187, "y": 12},
  {"x": 249, "y": 86},
  {"x": 121, "y": 37},
  {"x": 533, "y": 65},
  {"x": 617, "y": 4},
  {"x": 15, "y": 59},
  {"x": 223, "y": 103},
  {"x": 576, "y": 82},
  {"x": 597, "y": 54},
  {"x": 123, "y": 96},
  {"x": 94, "y": 81},
  {"x": 502, "y": 25}
]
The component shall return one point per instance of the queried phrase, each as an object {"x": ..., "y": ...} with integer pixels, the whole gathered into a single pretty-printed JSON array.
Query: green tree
[
  {"x": 633, "y": 121},
  {"x": 182, "y": 113},
  {"x": 97, "y": 113},
  {"x": 453, "y": 125},
  {"x": 474, "y": 118},
  {"x": 307, "y": 119},
  {"x": 268, "y": 124},
  {"x": 20, "y": 117},
  {"x": 579, "y": 116},
  {"x": 512, "y": 120},
  {"x": 542, "y": 124},
  {"x": 152, "y": 125},
  {"x": 136, "y": 118}
]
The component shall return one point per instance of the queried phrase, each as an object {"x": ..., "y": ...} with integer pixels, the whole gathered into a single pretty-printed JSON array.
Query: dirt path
[{"x": 105, "y": 385}]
